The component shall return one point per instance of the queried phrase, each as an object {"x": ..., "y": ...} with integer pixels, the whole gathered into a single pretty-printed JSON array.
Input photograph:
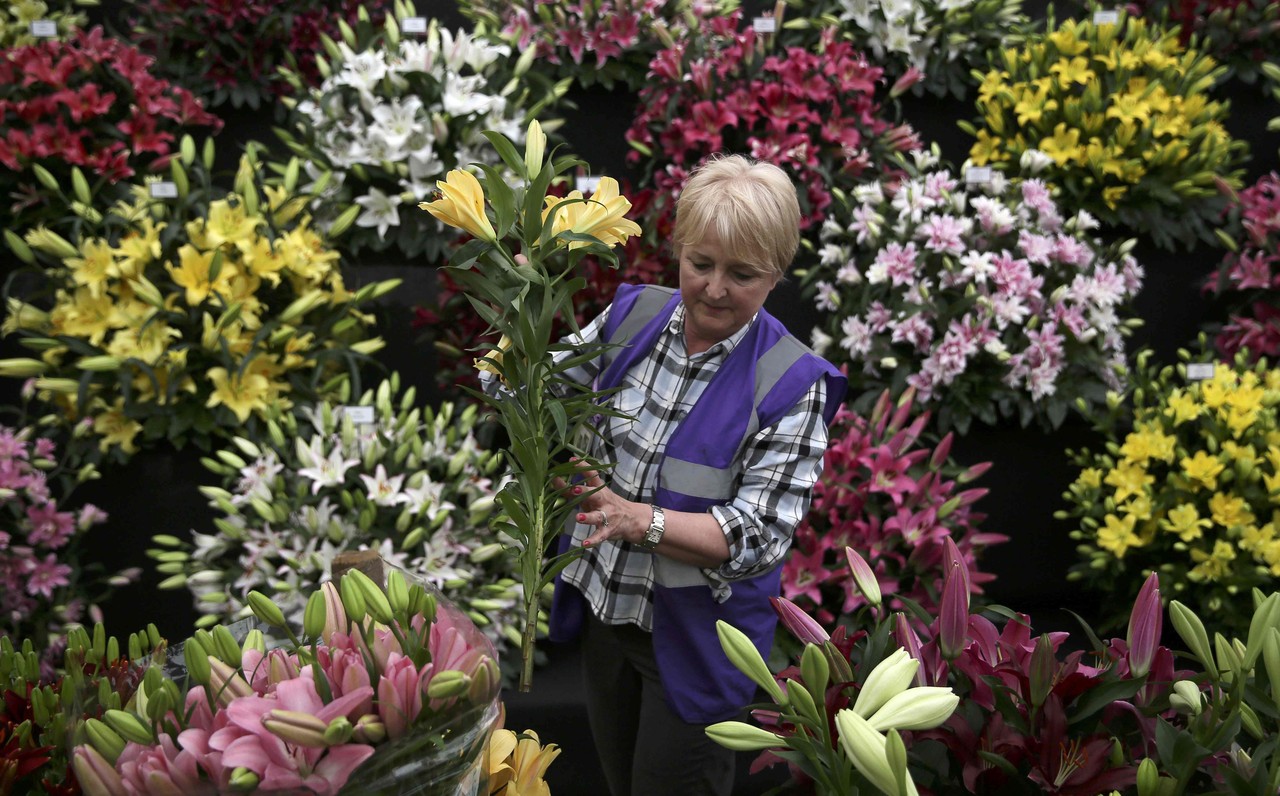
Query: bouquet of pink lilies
[{"x": 384, "y": 684}]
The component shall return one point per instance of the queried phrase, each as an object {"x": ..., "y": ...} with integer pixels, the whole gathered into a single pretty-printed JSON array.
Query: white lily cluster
[
  {"x": 393, "y": 118},
  {"x": 413, "y": 484},
  {"x": 886, "y": 703}
]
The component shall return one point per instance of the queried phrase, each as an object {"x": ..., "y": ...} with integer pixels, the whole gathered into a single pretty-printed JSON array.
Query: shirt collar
[{"x": 725, "y": 346}]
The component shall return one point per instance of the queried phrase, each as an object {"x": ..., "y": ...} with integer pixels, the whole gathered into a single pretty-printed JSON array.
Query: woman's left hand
[{"x": 614, "y": 518}]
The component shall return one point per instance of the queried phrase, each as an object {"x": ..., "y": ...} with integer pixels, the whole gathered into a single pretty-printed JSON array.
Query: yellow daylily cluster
[
  {"x": 1121, "y": 109},
  {"x": 1192, "y": 491},
  {"x": 184, "y": 322}
]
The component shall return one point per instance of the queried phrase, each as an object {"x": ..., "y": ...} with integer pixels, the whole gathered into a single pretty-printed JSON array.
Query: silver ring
[{"x": 604, "y": 519}]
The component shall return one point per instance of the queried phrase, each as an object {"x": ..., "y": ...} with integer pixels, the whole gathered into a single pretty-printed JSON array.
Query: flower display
[
  {"x": 1123, "y": 116},
  {"x": 45, "y": 585},
  {"x": 1183, "y": 487},
  {"x": 1249, "y": 275},
  {"x": 410, "y": 482},
  {"x": 939, "y": 40},
  {"x": 230, "y": 53},
  {"x": 16, "y": 18},
  {"x": 91, "y": 102},
  {"x": 1241, "y": 34},
  {"x": 521, "y": 298},
  {"x": 814, "y": 113},
  {"x": 38, "y": 708},
  {"x": 894, "y": 500},
  {"x": 609, "y": 42},
  {"x": 376, "y": 681},
  {"x": 985, "y": 297},
  {"x": 396, "y": 113},
  {"x": 187, "y": 319}
]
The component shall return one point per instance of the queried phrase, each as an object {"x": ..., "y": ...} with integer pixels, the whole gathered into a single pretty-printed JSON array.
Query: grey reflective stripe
[
  {"x": 648, "y": 304},
  {"x": 696, "y": 480},
  {"x": 674, "y": 574},
  {"x": 774, "y": 365}
]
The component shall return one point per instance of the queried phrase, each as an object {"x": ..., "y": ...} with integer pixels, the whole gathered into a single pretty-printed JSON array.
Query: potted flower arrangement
[
  {"x": 230, "y": 53},
  {"x": 1240, "y": 34},
  {"x": 16, "y": 18},
  {"x": 91, "y": 102},
  {"x": 1248, "y": 276},
  {"x": 815, "y": 113},
  {"x": 46, "y": 584},
  {"x": 386, "y": 690},
  {"x": 395, "y": 112},
  {"x": 1123, "y": 112},
  {"x": 983, "y": 296},
  {"x": 521, "y": 298},
  {"x": 1183, "y": 486},
  {"x": 609, "y": 42},
  {"x": 373, "y": 472},
  {"x": 895, "y": 500},
  {"x": 95, "y": 675},
  {"x": 188, "y": 318},
  {"x": 941, "y": 41}
]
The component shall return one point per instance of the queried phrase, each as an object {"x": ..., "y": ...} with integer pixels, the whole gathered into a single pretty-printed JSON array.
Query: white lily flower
[{"x": 380, "y": 210}]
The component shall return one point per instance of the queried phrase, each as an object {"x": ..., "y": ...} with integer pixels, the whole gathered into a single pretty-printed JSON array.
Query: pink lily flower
[{"x": 400, "y": 691}]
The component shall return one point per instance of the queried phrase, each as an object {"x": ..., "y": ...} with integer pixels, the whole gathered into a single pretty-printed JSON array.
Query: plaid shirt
[{"x": 779, "y": 467}]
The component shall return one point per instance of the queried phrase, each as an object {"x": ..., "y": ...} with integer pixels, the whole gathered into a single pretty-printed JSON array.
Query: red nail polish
[
  {"x": 577, "y": 490},
  {"x": 582, "y": 517}
]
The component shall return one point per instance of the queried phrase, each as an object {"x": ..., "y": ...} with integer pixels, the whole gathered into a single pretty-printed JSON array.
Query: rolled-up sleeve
[{"x": 781, "y": 465}]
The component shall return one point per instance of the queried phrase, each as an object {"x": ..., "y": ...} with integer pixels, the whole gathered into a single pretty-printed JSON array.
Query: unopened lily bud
[
  {"x": 50, "y": 242},
  {"x": 22, "y": 367},
  {"x": 448, "y": 684},
  {"x": 742, "y": 737},
  {"x": 369, "y": 729},
  {"x": 339, "y": 731},
  {"x": 296, "y": 727},
  {"x": 375, "y": 599},
  {"x": 747, "y": 659},
  {"x": 95, "y": 773},
  {"x": 920, "y": 708},
  {"x": 265, "y": 609},
  {"x": 1148, "y": 778},
  {"x": 535, "y": 145},
  {"x": 863, "y": 576},
  {"x": 244, "y": 780},
  {"x": 1185, "y": 698},
  {"x": 352, "y": 598},
  {"x": 225, "y": 683},
  {"x": 1193, "y": 634},
  {"x": 129, "y": 726},
  {"x": 890, "y": 676},
  {"x": 102, "y": 738}
]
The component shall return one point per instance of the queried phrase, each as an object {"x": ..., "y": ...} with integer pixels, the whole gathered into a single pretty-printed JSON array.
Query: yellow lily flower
[
  {"x": 461, "y": 205},
  {"x": 517, "y": 765},
  {"x": 602, "y": 216},
  {"x": 242, "y": 395}
]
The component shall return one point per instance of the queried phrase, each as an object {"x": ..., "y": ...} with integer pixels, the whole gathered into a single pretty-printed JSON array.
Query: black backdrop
[{"x": 156, "y": 493}]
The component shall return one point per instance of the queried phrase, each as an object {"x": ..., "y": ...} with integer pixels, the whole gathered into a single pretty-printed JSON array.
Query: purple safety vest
[{"x": 758, "y": 383}]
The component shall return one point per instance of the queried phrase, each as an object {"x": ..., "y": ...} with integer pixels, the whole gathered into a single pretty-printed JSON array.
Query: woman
[{"x": 721, "y": 439}]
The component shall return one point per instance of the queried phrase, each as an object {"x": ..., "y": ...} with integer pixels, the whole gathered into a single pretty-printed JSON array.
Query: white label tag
[
  {"x": 44, "y": 28},
  {"x": 587, "y": 185},
  {"x": 164, "y": 190},
  {"x": 414, "y": 24},
  {"x": 764, "y": 25},
  {"x": 360, "y": 415},
  {"x": 977, "y": 175},
  {"x": 1199, "y": 371},
  {"x": 1110, "y": 17}
]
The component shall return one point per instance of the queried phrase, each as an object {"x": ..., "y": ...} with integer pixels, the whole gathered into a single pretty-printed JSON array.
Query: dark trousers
[{"x": 645, "y": 749}]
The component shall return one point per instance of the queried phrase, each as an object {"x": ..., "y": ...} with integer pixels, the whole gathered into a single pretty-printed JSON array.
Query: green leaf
[
  {"x": 507, "y": 151},
  {"x": 503, "y": 200}
]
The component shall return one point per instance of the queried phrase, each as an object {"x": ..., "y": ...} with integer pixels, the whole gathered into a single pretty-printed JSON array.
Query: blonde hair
[{"x": 751, "y": 206}]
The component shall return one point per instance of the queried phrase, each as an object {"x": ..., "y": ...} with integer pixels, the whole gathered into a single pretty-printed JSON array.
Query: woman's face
[{"x": 720, "y": 295}]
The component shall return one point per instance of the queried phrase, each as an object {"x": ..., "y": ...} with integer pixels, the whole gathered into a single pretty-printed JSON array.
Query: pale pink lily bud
[
  {"x": 799, "y": 624},
  {"x": 97, "y": 776},
  {"x": 335, "y": 616},
  {"x": 909, "y": 78},
  {"x": 953, "y": 614},
  {"x": 1145, "y": 625},
  {"x": 863, "y": 576},
  {"x": 225, "y": 683},
  {"x": 907, "y": 638}
]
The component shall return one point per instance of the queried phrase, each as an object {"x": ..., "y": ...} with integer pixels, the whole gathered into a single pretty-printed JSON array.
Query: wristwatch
[{"x": 656, "y": 528}]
